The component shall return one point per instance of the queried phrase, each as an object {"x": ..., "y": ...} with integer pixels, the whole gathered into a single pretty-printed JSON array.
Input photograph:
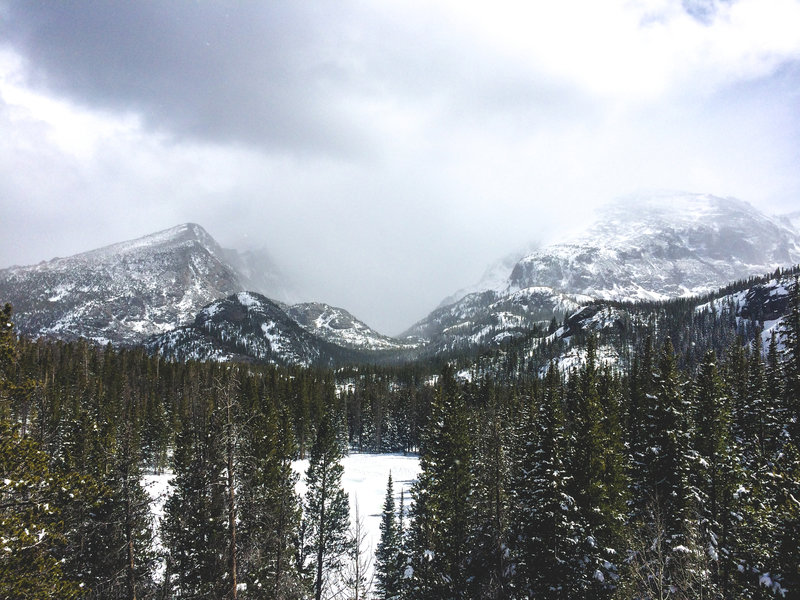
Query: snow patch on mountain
[
  {"x": 245, "y": 326},
  {"x": 661, "y": 246}
]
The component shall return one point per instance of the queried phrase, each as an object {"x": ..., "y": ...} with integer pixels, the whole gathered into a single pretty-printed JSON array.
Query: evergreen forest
[{"x": 674, "y": 473}]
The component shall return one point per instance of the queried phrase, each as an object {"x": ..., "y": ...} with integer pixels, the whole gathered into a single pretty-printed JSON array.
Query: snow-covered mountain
[
  {"x": 661, "y": 246},
  {"x": 121, "y": 293},
  {"x": 694, "y": 326},
  {"x": 247, "y": 326},
  {"x": 243, "y": 326},
  {"x": 643, "y": 248},
  {"x": 791, "y": 220},
  {"x": 130, "y": 291},
  {"x": 491, "y": 317},
  {"x": 640, "y": 248},
  {"x": 338, "y": 326}
]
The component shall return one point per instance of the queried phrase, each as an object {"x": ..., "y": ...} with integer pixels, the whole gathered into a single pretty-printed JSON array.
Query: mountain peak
[
  {"x": 659, "y": 246},
  {"x": 180, "y": 235},
  {"x": 124, "y": 292},
  {"x": 641, "y": 247}
]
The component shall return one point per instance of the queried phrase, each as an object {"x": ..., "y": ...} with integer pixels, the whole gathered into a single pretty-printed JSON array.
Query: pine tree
[
  {"x": 488, "y": 561},
  {"x": 326, "y": 511},
  {"x": 15, "y": 388},
  {"x": 714, "y": 473},
  {"x": 388, "y": 565},
  {"x": 791, "y": 339},
  {"x": 441, "y": 510},
  {"x": 641, "y": 429},
  {"x": 598, "y": 485},
  {"x": 269, "y": 507},
  {"x": 544, "y": 532},
  {"x": 668, "y": 500},
  {"x": 36, "y": 506},
  {"x": 193, "y": 529}
]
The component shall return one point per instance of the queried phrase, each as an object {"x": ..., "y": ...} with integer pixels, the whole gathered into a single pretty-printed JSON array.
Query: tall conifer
[{"x": 326, "y": 511}]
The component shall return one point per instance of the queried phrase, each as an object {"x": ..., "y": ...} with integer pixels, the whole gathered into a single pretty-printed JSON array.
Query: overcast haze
[{"x": 383, "y": 152}]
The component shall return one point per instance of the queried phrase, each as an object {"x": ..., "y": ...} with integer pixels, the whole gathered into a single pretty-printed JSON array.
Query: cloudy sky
[{"x": 383, "y": 152}]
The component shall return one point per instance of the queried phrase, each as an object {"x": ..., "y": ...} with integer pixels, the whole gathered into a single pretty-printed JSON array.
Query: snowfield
[{"x": 364, "y": 479}]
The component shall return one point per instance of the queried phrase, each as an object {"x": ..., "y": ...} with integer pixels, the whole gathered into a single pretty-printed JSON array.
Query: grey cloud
[
  {"x": 229, "y": 72},
  {"x": 283, "y": 76},
  {"x": 383, "y": 154}
]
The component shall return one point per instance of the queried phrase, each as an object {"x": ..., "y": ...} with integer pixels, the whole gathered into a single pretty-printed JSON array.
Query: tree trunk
[
  {"x": 231, "y": 506},
  {"x": 321, "y": 541}
]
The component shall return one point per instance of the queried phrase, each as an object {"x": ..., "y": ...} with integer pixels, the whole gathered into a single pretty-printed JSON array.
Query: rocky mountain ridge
[
  {"x": 121, "y": 293},
  {"x": 180, "y": 291},
  {"x": 652, "y": 247},
  {"x": 131, "y": 291}
]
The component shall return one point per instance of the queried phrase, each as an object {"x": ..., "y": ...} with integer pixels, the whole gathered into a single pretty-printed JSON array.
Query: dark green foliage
[
  {"x": 388, "y": 556},
  {"x": 598, "y": 483},
  {"x": 544, "y": 533},
  {"x": 489, "y": 545},
  {"x": 326, "y": 511},
  {"x": 442, "y": 518},
  {"x": 269, "y": 506},
  {"x": 194, "y": 525},
  {"x": 35, "y": 529},
  {"x": 676, "y": 472}
]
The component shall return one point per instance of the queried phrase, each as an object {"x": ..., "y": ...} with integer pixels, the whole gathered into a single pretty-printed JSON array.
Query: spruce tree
[
  {"x": 269, "y": 507},
  {"x": 388, "y": 565},
  {"x": 488, "y": 560},
  {"x": 662, "y": 541},
  {"x": 791, "y": 339},
  {"x": 326, "y": 511},
  {"x": 714, "y": 473},
  {"x": 193, "y": 529},
  {"x": 642, "y": 429},
  {"x": 37, "y": 526},
  {"x": 598, "y": 480},
  {"x": 544, "y": 534},
  {"x": 441, "y": 510}
]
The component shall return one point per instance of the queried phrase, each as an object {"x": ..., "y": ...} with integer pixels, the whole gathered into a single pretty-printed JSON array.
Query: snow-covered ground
[
  {"x": 365, "y": 477},
  {"x": 158, "y": 487}
]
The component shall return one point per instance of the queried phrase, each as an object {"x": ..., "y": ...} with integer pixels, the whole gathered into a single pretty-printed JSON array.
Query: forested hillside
[{"x": 674, "y": 473}]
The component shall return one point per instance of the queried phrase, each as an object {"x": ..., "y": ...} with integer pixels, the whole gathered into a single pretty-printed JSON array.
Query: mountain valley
[{"x": 179, "y": 293}]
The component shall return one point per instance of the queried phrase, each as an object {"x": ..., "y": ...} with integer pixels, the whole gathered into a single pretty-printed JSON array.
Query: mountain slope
[
  {"x": 657, "y": 247},
  {"x": 121, "y": 293},
  {"x": 640, "y": 248},
  {"x": 338, "y": 326},
  {"x": 246, "y": 326},
  {"x": 718, "y": 321}
]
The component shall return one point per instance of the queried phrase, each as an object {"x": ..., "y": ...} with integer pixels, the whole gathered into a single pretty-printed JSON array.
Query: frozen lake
[{"x": 364, "y": 479}]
